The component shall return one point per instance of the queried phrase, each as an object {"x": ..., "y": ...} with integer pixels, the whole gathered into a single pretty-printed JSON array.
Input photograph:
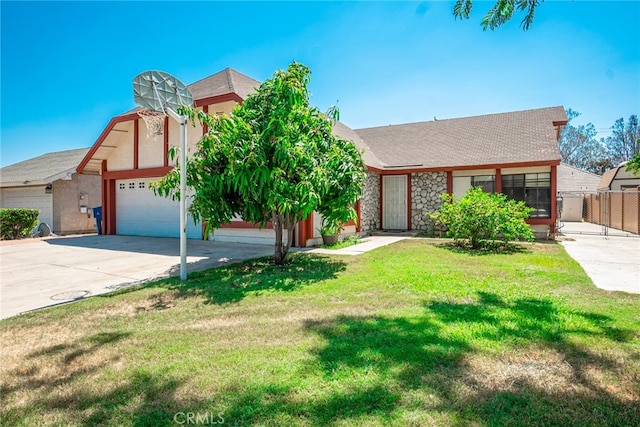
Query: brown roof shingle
[{"x": 515, "y": 137}]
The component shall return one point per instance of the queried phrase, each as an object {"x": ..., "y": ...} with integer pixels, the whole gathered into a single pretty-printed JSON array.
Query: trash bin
[{"x": 97, "y": 214}]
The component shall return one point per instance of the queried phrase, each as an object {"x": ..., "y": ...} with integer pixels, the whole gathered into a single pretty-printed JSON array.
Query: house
[
  {"x": 51, "y": 184},
  {"x": 409, "y": 166},
  {"x": 618, "y": 178},
  {"x": 514, "y": 153},
  {"x": 573, "y": 185}
]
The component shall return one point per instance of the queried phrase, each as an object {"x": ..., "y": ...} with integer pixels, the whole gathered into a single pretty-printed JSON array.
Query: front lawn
[{"x": 415, "y": 333}]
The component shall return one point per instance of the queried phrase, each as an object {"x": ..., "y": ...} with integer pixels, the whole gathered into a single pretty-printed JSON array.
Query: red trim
[
  {"x": 408, "y": 201},
  {"x": 114, "y": 121},
  {"x": 137, "y": 173},
  {"x": 301, "y": 236},
  {"x": 218, "y": 99},
  {"x": 381, "y": 203},
  {"x": 165, "y": 139},
  {"x": 554, "y": 192},
  {"x": 449, "y": 182},
  {"x": 309, "y": 231},
  {"x": 498, "y": 180},
  {"x": 110, "y": 220},
  {"x": 400, "y": 171},
  {"x": 244, "y": 224},
  {"x": 359, "y": 214},
  {"x": 540, "y": 221},
  {"x": 136, "y": 142}
]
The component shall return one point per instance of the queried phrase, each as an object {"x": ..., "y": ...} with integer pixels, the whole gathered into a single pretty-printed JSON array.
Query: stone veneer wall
[
  {"x": 370, "y": 203},
  {"x": 425, "y": 197}
]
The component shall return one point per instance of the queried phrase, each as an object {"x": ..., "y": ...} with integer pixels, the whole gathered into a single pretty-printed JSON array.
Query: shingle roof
[
  {"x": 222, "y": 83},
  {"x": 515, "y": 137},
  {"x": 225, "y": 82},
  {"x": 42, "y": 169},
  {"x": 573, "y": 179}
]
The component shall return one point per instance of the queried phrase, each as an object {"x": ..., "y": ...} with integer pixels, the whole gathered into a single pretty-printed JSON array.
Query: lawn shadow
[
  {"x": 489, "y": 248},
  {"x": 233, "y": 282},
  {"x": 431, "y": 358}
]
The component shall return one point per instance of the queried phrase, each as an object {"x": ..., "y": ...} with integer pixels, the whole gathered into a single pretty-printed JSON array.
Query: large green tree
[
  {"x": 623, "y": 143},
  {"x": 500, "y": 13},
  {"x": 274, "y": 159},
  {"x": 580, "y": 148}
]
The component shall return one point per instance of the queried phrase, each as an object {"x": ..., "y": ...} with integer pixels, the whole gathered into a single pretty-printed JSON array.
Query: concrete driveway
[
  {"x": 612, "y": 261},
  {"x": 40, "y": 273}
]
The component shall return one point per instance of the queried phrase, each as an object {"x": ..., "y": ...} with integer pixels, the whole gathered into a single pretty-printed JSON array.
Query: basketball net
[{"x": 154, "y": 121}]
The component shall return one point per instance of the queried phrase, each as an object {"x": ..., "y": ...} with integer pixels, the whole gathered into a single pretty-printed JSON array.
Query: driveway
[
  {"x": 612, "y": 261},
  {"x": 40, "y": 273}
]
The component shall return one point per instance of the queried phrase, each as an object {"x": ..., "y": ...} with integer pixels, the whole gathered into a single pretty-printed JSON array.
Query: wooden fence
[{"x": 615, "y": 209}]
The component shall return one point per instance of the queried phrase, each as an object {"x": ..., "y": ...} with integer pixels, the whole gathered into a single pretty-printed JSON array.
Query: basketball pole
[{"x": 183, "y": 190}]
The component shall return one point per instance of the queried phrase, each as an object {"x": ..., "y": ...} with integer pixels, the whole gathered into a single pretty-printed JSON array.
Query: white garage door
[
  {"x": 139, "y": 212},
  {"x": 31, "y": 198}
]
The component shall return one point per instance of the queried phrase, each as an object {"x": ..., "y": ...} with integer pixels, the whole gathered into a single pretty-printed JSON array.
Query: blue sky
[{"x": 67, "y": 67}]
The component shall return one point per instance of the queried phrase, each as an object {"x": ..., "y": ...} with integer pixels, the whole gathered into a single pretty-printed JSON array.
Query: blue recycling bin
[{"x": 97, "y": 214}]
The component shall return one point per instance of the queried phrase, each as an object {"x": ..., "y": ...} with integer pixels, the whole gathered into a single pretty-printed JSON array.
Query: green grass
[
  {"x": 345, "y": 243},
  {"x": 416, "y": 333}
]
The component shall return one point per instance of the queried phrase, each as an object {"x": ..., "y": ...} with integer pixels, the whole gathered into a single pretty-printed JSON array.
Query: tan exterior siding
[{"x": 69, "y": 197}]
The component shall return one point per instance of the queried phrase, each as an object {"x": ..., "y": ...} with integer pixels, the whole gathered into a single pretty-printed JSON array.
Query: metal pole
[
  {"x": 183, "y": 191},
  {"x": 183, "y": 199}
]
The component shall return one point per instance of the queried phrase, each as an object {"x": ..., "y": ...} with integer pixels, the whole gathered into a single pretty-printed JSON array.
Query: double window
[
  {"x": 486, "y": 182},
  {"x": 532, "y": 188}
]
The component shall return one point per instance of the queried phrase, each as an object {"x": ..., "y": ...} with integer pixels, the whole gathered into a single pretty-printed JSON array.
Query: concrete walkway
[
  {"x": 368, "y": 243},
  {"x": 612, "y": 261}
]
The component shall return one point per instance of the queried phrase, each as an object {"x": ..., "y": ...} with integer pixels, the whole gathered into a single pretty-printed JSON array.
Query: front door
[{"x": 394, "y": 202}]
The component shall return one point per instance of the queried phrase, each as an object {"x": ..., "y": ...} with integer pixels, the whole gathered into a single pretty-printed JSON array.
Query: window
[
  {"x": 532, "y": 188},
  {"x": 132, "y": 185},
  {"x": 121, "y": 186},
  {"x": 141, "y": 185},
  {"x": 486, "y": 182}
]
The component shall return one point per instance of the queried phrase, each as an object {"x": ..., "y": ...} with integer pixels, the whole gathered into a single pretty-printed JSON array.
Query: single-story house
[
  {"x": 618, "y": 178},
  {"x": 51, "y": 184},
  {"x": 573, "y": 185},
  {"x": 409, "y": 166}
]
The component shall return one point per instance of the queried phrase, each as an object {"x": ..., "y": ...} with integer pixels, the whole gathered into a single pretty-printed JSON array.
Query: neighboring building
[
  {"x": 573, "y": 185},
  {"x": 618, "y": 179},
  {"x": 409, "y": 167},
  {"x": 50, "y": 184}
]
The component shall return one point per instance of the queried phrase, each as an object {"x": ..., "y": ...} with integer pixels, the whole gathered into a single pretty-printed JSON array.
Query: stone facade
[
  {"x": 426, "y": 189},
  {"x": 370, "y": 203}
]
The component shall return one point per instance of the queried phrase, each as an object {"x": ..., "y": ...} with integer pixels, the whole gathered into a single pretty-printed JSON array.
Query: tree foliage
[
  {"x": 274, "y": 159},
  {"x": 478, "y": 218},
  {"x": 623, "y": 143},
  {"x": 633, "y": 165},
  {"x": 580, "y": 148},
  {"x": 500, "y": 13}
]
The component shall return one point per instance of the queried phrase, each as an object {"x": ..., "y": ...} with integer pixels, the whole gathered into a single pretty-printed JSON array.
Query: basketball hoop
[{"x": 154, "y": 121}]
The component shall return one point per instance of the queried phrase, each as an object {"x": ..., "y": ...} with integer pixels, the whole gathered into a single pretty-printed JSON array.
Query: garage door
[
  {"x": 139, "y": 212},
  {"x": 32, "y": 198}
]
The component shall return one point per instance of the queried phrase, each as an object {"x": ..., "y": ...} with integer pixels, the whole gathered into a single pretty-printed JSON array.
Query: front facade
[
  {"x": 50, "y": 184},
  {"x": 409, "y": 166},
  {"x": 413, "y": 164}
]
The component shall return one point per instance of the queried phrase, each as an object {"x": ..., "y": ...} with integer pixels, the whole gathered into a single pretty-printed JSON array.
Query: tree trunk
[
  {"x": 279, "y": 254},
  {"x": 281, "y": 223}
]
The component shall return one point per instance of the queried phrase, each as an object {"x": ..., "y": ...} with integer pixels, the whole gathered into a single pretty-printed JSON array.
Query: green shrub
[
  {"x": 480, "y": 217},
  {"x": 17, "y": 223}
]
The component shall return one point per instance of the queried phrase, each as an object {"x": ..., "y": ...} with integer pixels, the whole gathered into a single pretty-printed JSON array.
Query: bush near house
[
  {"x": 17, "y": 223},
  {"x": 479, "y": 218}
]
